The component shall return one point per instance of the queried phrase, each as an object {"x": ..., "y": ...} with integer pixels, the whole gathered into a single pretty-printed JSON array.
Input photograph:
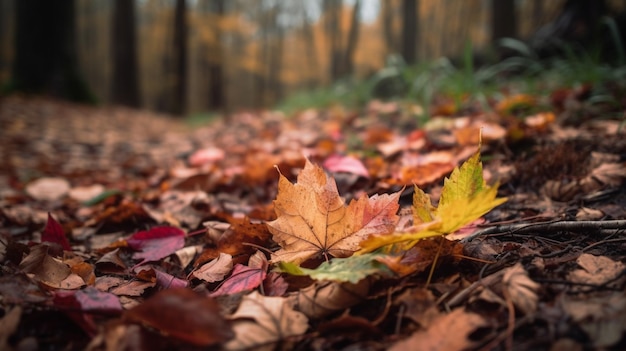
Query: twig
[{"x": 588, "y": 227}]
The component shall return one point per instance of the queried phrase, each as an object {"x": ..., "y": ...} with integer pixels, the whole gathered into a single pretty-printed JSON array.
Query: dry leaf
[
  {"x": 447, "y": 333},
  {"x": 595, "y": 270},
  {"x": 322, "y": 299},
  {"x": 215, "y": 270},
  {"x": 314, "y": 221},
  {"x": 184, "y": 315},
  {"x": 603, "y": 318},
  {"x": 261, "y": 321},
  {"x": 521, "y": 289},
  {"x": 48, "y": 189}
]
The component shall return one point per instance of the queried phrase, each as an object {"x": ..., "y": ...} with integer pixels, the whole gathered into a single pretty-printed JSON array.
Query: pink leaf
[
  {"x": 347, "y": 164},
  {"x": 79, "y": 304},
  {"x": 243, "y": 278},
  {"x": 156, "y": 243},
  {"x": 168, "y": 281},
  {"x": 53, "y": 233}
]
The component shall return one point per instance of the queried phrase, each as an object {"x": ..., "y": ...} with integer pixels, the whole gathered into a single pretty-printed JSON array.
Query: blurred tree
[
  {"x": 503, "y": 19},
  {"x": 215, "y": 68},
  {"x": 409, "y": 30},
  {"x": 125, "y": 86},
  {"x": 353, "y": 38},
  {"x": 332, "y": 23},
  {"x": 388, "y": 15},
  {"x": 179, "y": 69},
  {"x": 45, "y": 46}
]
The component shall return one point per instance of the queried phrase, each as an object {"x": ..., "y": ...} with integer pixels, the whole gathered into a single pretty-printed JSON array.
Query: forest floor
[{"x": 164, "y": 235}]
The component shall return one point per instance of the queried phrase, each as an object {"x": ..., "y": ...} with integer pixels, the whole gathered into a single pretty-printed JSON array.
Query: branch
[{"x": 589, "y": 227}]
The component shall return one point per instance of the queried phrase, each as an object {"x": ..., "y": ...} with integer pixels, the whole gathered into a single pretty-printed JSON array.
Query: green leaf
[{"x": 350, "y": 269}]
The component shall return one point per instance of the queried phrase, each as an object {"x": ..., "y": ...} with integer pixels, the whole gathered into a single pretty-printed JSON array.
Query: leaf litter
[{"x": 358, "y": 241}]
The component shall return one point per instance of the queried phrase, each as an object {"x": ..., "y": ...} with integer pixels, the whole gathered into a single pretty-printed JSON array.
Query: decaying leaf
[
  {"x": 314, "y": 221},
  {"x": 521, "y": 289},
  {"x": 261, "y": 321},
  {"x": 215, "y": 270},
  {"x": 184, "y": 315},
  {"x": 603, "y": 318},
  {"x": 449, "y": 332},
  {"x": 596, "y": 270},
  {"x": 156, "y": 243},
  {"x": 324, "y": 298}
]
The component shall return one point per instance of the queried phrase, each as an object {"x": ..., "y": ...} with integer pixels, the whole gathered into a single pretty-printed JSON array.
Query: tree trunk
[
  {"x": 503, "y": 19},
  {"x": 125, "y": 87},
  {"x": 45, "y": 44},
  {"x": 388, "y": 32},
  {"x": 409, "y": 31},
  {"x": 180, "y": 58},
  {"x": 332, "y": 11},
  {"x": 353, "y": 38},
  {"x": 216, "y": 72}
]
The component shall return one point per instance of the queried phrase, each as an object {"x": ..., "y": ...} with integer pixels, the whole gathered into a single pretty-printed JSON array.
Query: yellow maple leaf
[
  {"x": 313, "y": 220},
  {"x": 464, "y": 198}
]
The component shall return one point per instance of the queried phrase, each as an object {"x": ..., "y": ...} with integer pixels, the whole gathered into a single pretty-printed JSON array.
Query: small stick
[{"x": 570, "y": 226}]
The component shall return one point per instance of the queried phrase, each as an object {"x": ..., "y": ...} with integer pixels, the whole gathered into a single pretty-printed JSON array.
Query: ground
[{"x": 128, "y": 229}]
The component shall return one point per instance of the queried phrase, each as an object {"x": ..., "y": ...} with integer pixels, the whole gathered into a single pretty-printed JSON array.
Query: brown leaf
[
  {"x": 322, "y": 299},
  {"x": 595, "y": 270},
  {"x": 46, "y": 268},
  {"x": 184, "y": 315},
  {"x": 261, "y": 321},
  {"x": 521, "y": 289},
  {"x": 313, "y": 220},
  {"x": 215, "y": 270},
  {"x": 447, "y": 333}
]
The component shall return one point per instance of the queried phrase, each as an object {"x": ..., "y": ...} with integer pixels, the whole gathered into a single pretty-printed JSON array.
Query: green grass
[{"x": 524, "y": 72}]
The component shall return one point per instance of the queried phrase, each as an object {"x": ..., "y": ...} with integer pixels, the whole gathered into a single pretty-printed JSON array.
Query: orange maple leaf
[{"x": 313, "y": 220}]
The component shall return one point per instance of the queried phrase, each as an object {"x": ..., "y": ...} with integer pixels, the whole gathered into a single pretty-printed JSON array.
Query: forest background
[{"x": 193, "y": 56}]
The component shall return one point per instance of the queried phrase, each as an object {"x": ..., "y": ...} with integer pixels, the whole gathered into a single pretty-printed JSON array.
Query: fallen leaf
[
  {"x": 346, "y": 164},
  {"x": 314, "y": 221},
  {"x": 521, "y": 289},
  {"x": 324, "y": 298},
  {"x": 350, "y": 269},
  {"x": 156, "y": 243},
  {"x": 464, "y": 198},
  {"x": 262, "y": 321},
  {"x": 437, "y": 336},
  {"x": 243, "y": 278},
  {"x": 184, "y": 315},
  {"x": 45, "y": 268},
  {"x": 603, "y": 318},
  {"x": 53, "y": 233},
  {"x": 8, "y": 325},
  {"x": 215, "y": 270},
  {"x": 48, "y": 189},
  {"x": 596, "y": 270}
]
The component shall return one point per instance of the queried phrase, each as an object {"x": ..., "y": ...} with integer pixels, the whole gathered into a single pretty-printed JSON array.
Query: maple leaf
[
  {"x": 464, "y": 198},
  {"x": 312, "y": 219}
]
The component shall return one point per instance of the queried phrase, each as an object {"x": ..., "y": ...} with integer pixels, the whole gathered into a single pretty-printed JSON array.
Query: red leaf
[
  {"x": 168, "y": 281},
  {"x": 156, "y": 243},
  {"x": 243, "y": 278},
  {"x": 185, "y": 315},
  {"x": 53, "y": 233},
  {"x": 79, "y": 304}
]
